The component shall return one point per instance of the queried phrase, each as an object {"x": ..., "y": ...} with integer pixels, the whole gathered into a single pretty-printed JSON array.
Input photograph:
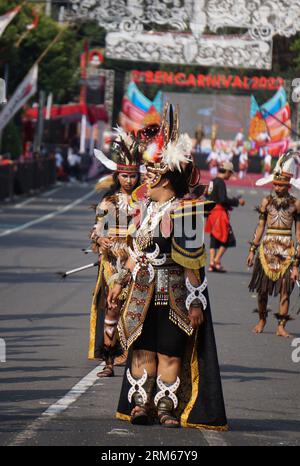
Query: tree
[{"x": 58, "y": 72}]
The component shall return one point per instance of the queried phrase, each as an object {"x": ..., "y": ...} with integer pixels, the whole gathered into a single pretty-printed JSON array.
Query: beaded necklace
[{"x": 154, "y": 215}]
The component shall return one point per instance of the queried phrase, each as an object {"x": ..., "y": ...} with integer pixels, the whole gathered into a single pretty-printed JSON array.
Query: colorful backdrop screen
[{"x": 228, "y": 112}]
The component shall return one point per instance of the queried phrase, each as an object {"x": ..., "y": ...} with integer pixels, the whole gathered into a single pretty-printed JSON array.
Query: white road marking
[
  {"x": 49, "y": 193},
  {"x": 28, "y": 201},
  {"x": 60, "y": 210},
  {"x": 121, "y": 432},
  {"x": 21, "y": 204},
  {"x": 214, "y": 438},
  {"x": 61, "y": 405}
]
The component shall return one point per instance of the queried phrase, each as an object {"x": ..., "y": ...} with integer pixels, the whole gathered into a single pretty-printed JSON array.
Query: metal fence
[{"x": 21, "y": 178}]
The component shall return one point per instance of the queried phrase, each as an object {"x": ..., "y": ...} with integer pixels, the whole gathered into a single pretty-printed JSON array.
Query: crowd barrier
[{"x": 21, "y": 178}]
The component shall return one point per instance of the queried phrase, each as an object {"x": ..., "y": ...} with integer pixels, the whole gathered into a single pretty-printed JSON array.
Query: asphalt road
[{"x": 49, "y": 392}]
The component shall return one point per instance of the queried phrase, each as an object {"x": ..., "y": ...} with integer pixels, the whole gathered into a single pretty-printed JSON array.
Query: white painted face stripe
[{"x": 59, "y": 211}]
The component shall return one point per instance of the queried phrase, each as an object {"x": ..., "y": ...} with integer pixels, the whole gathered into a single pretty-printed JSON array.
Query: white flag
[
  {"x": 7, "y": 18},
  {"x": 23, "y": 92},
  {"x": 2, "y": 92}
]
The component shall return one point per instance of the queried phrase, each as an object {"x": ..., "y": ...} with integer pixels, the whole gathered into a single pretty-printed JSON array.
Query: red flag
[
  {"x": 7, "y": 18},
  {"x": 35, "y": 21}
]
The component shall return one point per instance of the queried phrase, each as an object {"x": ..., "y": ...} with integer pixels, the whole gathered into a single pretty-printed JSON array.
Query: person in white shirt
[
  {"x": 267, "y": 163},
  {"x": 213, "y": 163},
  {"x": 74, "y": 161},
  {"x": 239, "y": 141},
  {"x": 243, "y": 163},
  {"x": 58, "y": 159}
]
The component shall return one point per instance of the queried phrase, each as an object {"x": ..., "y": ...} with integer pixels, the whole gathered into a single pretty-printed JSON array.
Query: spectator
[
  {"x": 59, "y": 164},
  {"x": 239, "y": 141},
  {"x": 267, "y": 163},
  {"x": 213, "y": 162},
  {"x": 74, "y": 161},
  {"x": 243, "y": 163}
]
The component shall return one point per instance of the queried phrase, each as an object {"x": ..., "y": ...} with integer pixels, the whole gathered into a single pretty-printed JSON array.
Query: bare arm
[
  {"x": 103, "y": 242},
  {"x": 297, "y": 229},
  {"x": 196, "y": 310},
  {"x": 115, "y": 291},
  {"x": 296, "y": 258},
  {"x": 259, "y": 231}
]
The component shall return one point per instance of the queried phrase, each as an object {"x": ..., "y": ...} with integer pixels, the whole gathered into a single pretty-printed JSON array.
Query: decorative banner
[
  {"x": 225, "y": 51},
  {"x": 127, "y": 21},
  {"x": 7, "y": 18},
  {"x": 262, "y": 18},
  {"x": 214, "y": 81},
  {"x": 90, "y": 61},
  {"x": 97, "y": 84},
  {"x": 270, "y": 124},
  {"x": 137, "y": 110},
  {"x": 275, "y": 103},
  {"x": 24, "y": 91},
  {"x": 139, "y": 99}
]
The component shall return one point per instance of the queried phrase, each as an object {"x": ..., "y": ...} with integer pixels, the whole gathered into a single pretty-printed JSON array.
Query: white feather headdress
[
  {"x": 125, "y": 153},
  {"x": 176, "y": 152},
  {"x": 285, "y": 170}
]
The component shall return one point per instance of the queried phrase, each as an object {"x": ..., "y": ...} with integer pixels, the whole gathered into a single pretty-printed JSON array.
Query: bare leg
[
  {"x": 212, "y": 254},
  {"x": 142, "y": 359},
  {"x": 169, "y": 369},
  {"x": 262, "y": 301},
  {"x": 109, "y": 341},
  {"x": 283, "y": 312},
  {"x": 220, "y": 253}
]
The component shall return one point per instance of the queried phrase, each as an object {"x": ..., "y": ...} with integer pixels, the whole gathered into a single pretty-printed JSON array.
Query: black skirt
[
  {"x": 262, "y": 284},
  {"x": 200, "y": 395},
  {"x": 230, "y": 243}
]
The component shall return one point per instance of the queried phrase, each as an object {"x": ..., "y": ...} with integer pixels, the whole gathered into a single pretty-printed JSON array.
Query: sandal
[
  {"x": 108, "y": 371},
  {"x": 211, "y": 268},
  {"x": 219, "y": 268},
  {"x": 140, "y": 417},
  {"x": 121, "y": 360},
  {"x": 164, "y": 417}
]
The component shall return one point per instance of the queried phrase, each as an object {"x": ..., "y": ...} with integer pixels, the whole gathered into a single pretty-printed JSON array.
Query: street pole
[
  {"x": 101, "y": 126},
  {"x": 61, "y": 15},
  {"x": 49, "y": 106},
  {"x": 3, "y": 97},
  {"x": 82, "y": 134},
  {"x": 40, "y": 123},
  {"x": 48, "y": 7}
]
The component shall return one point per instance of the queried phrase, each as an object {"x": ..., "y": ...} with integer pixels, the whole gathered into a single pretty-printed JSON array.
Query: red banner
[{"x": 216, "y": 81}]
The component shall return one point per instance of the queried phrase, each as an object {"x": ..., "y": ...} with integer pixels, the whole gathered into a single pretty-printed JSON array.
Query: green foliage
[
  {"x": 12, "y": 142},
  {"x": 59, "y": 70}
]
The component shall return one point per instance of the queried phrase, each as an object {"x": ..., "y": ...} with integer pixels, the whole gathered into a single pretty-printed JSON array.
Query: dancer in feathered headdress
[
  {"x": 276, "y": 266},
  {"x": 165, "y": 320},
  {"x": 109, "y": 240},
  {"x": 109, "y": 236}
]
